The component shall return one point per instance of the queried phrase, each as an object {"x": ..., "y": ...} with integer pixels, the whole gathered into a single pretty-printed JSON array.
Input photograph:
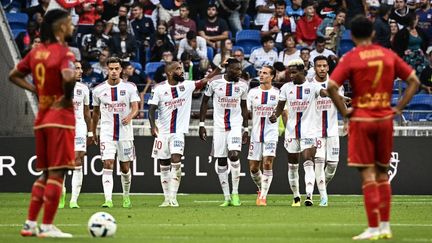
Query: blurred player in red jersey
[
  {"x": 52, "y": 69},
  {"x": 370, "y": 137}
]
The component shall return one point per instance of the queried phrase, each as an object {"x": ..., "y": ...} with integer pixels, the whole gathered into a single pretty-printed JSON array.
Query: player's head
[
  {"x": 174, "y": 71},
  {"x": 56, "y": 24},
  {"x": 114, "y": 68},
  {"x": 233, "y": 69},
  {"x": 361, "y": 29},
  {"x": 267, "y": 74},
  {"x": 78, "y": 70},
  {"x": 321, "y": 66},
  {"x": 297, "y": 71}
]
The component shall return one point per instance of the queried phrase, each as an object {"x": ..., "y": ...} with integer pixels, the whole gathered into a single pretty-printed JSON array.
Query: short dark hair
[
  {"x": 341, "y": 10},
  {"x": 320, "y": 58},
  {"x": 384, "y": 9},
  {"x": 191, "y": 35},
  {"x": 279, "y": 66},
  {"x": 232, "y": 60},
  {"x": 212, "y": 5},
  {"x": 320, "y": 39},
  {"x": 184, "y": 5},
  {"x": 113, "y": 60},
  {"x": 280, "y": 3},
  {"x": 185, "y": 56},
  {"x": 308, "y": 3},
  {"x": 305, "y": 49},
  {"x": 272, "y": 69},
  {"x": 47, "y": 26},
  {"x": 137, "y": 4},
  {"x": 264, "y": 39},
  {"x": 361, "y": 27},
  {"x": 123, "y": 19}
]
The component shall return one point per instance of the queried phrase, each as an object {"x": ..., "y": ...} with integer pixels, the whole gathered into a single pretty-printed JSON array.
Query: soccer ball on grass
[{"x": 102, "y": 224}]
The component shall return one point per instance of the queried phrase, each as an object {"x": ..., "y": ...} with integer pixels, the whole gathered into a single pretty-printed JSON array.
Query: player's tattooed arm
[
  {"x": 152, "y": 118},
  {"x": 18, "y": 79},
  {"x": 203, "y": 112}
]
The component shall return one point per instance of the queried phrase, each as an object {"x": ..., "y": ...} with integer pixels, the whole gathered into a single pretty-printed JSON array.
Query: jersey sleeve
[
  {"x": 245, "y": 93},
  {"x": 209, "y": 90},
  {"x": 95, "y": 100},
  {"x": 86, "y": 96},
  {"x": 24, "y": 65},
  {"x": 249, "y": 101},
  {"x": 154, "y": 97},
  {"x": 282, "y": 94},
  {"x": 402, "y": 69},
  {"x": 134, "y": 94},
  {"x": 68, "y": 61},
  {"x": 341, "y": 72}
]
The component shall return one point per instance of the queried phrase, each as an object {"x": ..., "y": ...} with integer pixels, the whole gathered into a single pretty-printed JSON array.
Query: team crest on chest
[
  {"x": 236, "y": 89},
  {"x": 122, "y": 92},
  {"x": 272, "y": 97},
  {"x": 307, "y": 91},
  {"x": 79, "y": 92},
  {"x": 181, "y": 88}
]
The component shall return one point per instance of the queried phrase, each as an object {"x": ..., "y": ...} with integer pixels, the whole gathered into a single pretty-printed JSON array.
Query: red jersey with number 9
[
  {"x": 45, "y": 63},
  {"x": 371, "y": 71}
]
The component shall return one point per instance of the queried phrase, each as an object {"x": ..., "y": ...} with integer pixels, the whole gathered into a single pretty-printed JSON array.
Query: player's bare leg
[
  {"x": 371, "y": 202},
  {"x": 233, "y": 158},
  {"x": 175, "y": 178},
  {"x": 308, "y": 165},
  {"x": 293, "y": 177},
  {"x": 266, "y": 179},
  {"x": 126, "y": 179},
  {"x": 385, "y": 193},
  {"x": 256, "y": 175},
  {"x": 165, "y": 168},
  {"x": 77, "y": 177},
  {"x": 108, "y": 182},
  {"x": 30, "y": 227},
  {"x": 222, "y": 170}
]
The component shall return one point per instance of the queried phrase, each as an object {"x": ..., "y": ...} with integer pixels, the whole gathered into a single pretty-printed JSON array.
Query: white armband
[{"x": 90, "y": 134}]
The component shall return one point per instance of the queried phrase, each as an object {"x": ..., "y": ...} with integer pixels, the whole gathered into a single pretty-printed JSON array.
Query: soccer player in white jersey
[
  {"x": 327, "y": 154},
  {"x": 173, "y": 99},
  {"x": 83, "y": 138},
  {"x": 302, "y": 127},
  {"x": 262, "y": 102},
  {"x": 116, "y": 102},
  {"x": 230, "y": 113}
]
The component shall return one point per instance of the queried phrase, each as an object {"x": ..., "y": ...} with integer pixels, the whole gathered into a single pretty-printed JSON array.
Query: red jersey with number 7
[
  {"x": 45, "y": 63},
  {"x": 371, "y": 71}
]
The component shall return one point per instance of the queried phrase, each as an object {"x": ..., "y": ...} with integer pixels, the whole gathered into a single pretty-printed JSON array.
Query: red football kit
[
  {"x": 54, "y": 127},
  {"x": 371, "y": 71}
]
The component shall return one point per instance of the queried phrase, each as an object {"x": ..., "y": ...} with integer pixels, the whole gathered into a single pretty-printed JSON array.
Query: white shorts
[
  {"x": 125, "y": 150},
  {"x": 259, "y": 150},
  {"x": 80, "y": 144},
  {"x": 224, "y": 141},
  {"x": 167, "y": 144},
  {"x": 296, "y": 145},
  {"x": 328, "y": 148}
]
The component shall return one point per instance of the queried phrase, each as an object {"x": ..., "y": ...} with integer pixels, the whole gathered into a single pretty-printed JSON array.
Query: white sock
[
  {"x": 235, "y": 175},
  {"x": 293, "y": 178},
  {"x": 320, "y": 178},
  {"x": 126, "y": 180},
  {"x": 308, "y": 166},
  {"x": 175, "y": 179},
  {"x": 108, "y": 183},
  {"x": 46, "y": 226},
  {"x": 266, "y": 182},
  {"x": 384, "y": 225},
  {"x": 77, "y": 178},
  {"x": 31, "y": 223},
  {"x": 330, "y": 171},
  {"x": 165, "y": 179},
  {"x": 222, "y": 172},
  {"x": 257, "y": 179}
]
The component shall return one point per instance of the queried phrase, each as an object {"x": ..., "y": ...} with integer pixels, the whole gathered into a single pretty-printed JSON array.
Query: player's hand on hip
[
  {"x": 154, "y": 131},
  {"x": 396, "y": 111},
  {"x": 203, "y": 133},
  {"x": 348, "y": 113},
  {"x": 273, "y": 118},
  {"x": 245, "y": 137},
  {"x": 95, "y": 139}
]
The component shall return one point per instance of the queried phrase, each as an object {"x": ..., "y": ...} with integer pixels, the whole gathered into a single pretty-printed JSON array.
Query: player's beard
[
  {"x": 68, "y": 39},
  {"x": 178, "y": 78}
]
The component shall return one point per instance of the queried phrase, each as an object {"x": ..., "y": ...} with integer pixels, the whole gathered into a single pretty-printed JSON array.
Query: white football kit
[
  {"x": 115, "y": 104},
  {"x": 174, "y": 109},
  {"x": 227, "y": 117},
  {"x": 264, "y": 137},
  {"x": 302, "y": 125},
  {"x": 81, "y": 98}
]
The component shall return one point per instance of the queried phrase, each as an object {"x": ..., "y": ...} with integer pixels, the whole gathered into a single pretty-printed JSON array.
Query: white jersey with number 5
[
  {"x": 174, "y": 106},
  {"x": 262, "y": 104},
  {"x": 302, "y": 113},
  {"x": 80, "y": 99},
  {"x": 226, "y": 102},
  {"x": 327, "y": 113},
  {"x": 115, "y": 104}
]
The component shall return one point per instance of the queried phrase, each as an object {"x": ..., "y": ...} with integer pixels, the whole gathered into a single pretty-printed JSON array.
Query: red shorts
[
  {"x": 55, "y": 140},
  {"x": 370, "y": 143}
]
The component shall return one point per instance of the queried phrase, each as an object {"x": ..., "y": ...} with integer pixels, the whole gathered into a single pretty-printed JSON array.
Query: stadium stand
[
  {"x": 248, "y": 39},
  {"x": 151, "y": 68},
  {"x": 17, "y": 20}
]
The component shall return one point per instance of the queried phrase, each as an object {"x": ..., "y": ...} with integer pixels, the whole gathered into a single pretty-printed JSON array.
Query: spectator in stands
[
  {"x": 197, "y": 9},
  {"x": 425, "y": 18},
  {"x": 25, "y": 39},
  {"x": 213, "y": 29},
  {"x": 101, "y": 67},
  {"x": 88, "y": 12},
  {"x": 290, "y": 52},
  {"x": 123, "y": 44},
  {"x": 160, "y": 74},
  {"x": 394, "y": 28},
  {"x": 246, "y": 66},
  {"x": 295, "y": 10},
  {"x": 426, "y": 74},
  {"x": 308, "y": 64},
  {"x": 332, "y": 30},
  {"x": 133, "y": 75},
  {"x": 93, "y": 44},
  {"x": 320, "y": 50},
  {"x": 89, "y": 77},
  {"x": 307, "y": 26},
  {"x": 110, "y": 9},
  {"x": 265, "y": 10},
  {"x": 142, "y": 28},
  {"x": 264, "y": 55},
  {"x": 112, "y": 24},
  {"x": 40, "y": 9},
  {"x": 354, "y": 8},
  {"x": 225, "y": 52},
  {"x": 401, "y": 13},
  {"x": 382, "y": 27},
  {"x": 160, "y": 43},
  {"x": 150, "y": 9},
  {"x": 191, "y": 71},
  {"x": 233, "y": 11},
  {"x": 373, "y": 10},
  {"x": 328, "y": 8},
  {"x": 279, "y": 25},
  {"x": 194, "y": 45},
  {"x": 411, "y": 43},
  {"x": 167, "y": 12},
  {"x": 180, "y": 25}
]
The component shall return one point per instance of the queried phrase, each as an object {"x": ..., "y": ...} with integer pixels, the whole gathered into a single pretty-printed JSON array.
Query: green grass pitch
[{"x": 199, "y": 219}]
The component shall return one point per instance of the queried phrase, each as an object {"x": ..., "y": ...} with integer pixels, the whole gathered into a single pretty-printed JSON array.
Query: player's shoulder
[
  {"x": 128, "y": 84},
  {"x": 160, "y": 85},
  {"x": 81, "y": 86},
  {"x": 100, "y": 86},
  {"x": 244, "y": 82},
  {"x": 215, "y": 79},
  {"x": 254, "y": 90}
]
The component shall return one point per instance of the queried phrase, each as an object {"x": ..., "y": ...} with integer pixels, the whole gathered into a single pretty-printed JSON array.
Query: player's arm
[
  {"x": 203, "y": 82},
  {"x": 152, "y": 118},
  {"x": 18, "y": 78},
  {"x": 278, "y": 112},
  {"x": 94, "y": 123},
  {"x": 245, "y": 115},
  {"x": 333, "y": 93},
  {"x": 203, "y": 113},
  {"x": 87, "y": 119},
  {"x": 68, "y": 77},
  {"x": 132, "y": 113},
  {"x": 410, "y": 91}
]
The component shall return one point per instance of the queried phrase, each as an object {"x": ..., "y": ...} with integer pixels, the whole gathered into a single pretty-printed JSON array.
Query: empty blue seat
[
  {"x": 249, "y": 35},
  {"x": 345, "y": 46},
  {"x": 17, "y": 20},
  {"x": 137, "y": 65},
  {"x": 16, "y": 32},
  {"x": 151, "y": 67},
  {"x": 420, "y": 108}
]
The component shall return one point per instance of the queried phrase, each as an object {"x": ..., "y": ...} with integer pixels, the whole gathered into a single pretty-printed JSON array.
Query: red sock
[
  {"x": 53, "y": 191},
  {"x": 36, "y": 200},
  {"x": 384, "y": 190},
  {"x": 371, "y": 202}
]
